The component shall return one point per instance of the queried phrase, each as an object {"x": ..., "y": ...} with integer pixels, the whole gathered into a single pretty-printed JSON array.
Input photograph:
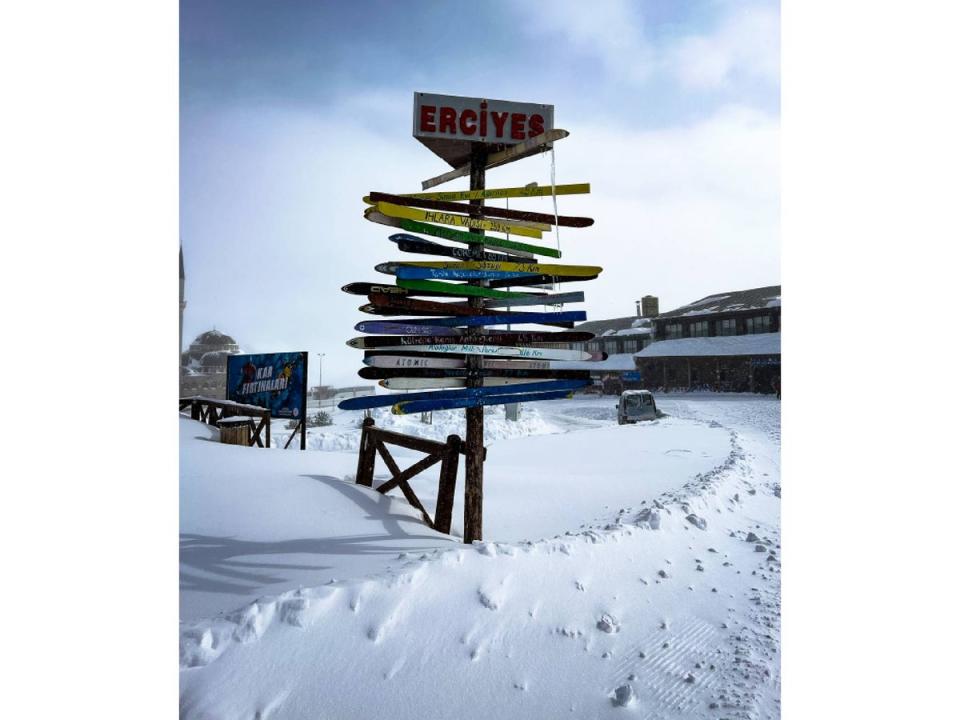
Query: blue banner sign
[
  {"x": 277, "y": 381},
  {"x": 632, "y": 376}
]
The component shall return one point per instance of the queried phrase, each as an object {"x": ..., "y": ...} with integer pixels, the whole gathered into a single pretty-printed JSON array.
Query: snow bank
[
  {"x": 344, "y": 434},
  {"x": 649, "y": 612}
]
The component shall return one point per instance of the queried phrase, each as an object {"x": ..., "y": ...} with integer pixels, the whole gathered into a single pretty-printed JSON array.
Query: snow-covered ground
[{"x": 622, "y": 571}]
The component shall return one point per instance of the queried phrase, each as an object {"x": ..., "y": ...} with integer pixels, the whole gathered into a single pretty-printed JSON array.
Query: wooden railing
[
  {"x": 211, "y": 411},
  {"x": 374, "y": 441}
]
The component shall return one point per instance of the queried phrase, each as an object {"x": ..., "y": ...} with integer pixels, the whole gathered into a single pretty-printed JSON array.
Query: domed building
[
  {"x": 204, "y": 364},
  {"x": 208, "y": 353}
]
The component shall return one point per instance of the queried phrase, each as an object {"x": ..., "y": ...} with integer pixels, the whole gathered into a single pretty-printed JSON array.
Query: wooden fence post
[
  {"x": 367, "y": 455},
  {"x": 443, "y": 515}
]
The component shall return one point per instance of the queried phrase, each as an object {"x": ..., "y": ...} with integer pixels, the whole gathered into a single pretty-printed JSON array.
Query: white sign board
[{"x": 450, "y": 117}]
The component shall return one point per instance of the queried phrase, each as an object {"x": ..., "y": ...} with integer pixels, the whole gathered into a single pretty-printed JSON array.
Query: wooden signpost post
[{"x": 448, "y": 345}]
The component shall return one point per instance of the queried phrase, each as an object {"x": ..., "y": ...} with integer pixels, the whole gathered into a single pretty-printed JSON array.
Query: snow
[
  {"x": 758, "y": 344},
  {"x": 594, "y": 594},
  {"x": 634, "y": 331},
  {"x": 616, "y": 361}
]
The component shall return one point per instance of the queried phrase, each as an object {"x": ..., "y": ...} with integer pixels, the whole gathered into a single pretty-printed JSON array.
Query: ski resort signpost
[{"x": 447, "y": 348}]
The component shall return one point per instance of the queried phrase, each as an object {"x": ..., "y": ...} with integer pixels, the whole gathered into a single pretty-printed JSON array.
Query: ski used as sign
[
  {"x": 425, "y": 273},
  {"x": 408, "y": 407},
  {"x": 532, "y": 268},
  {"x": 375, "y": 290},
  {"x": 445, "y": 218},
  {"x": 405, "y": 383},
  {"x": 405, "y": 361},
  {"x": 500, "y": 351},
  {"x": 373, "y": 373},
  {"x": 434, "y": 287},
  {"x": 513, "y": 338},
  {"x": 368, "y": 402},
  {"x": 445, "y": 233},
  {"x": 399, "y": 327},
  {"x": 493, "y": 278},
  {"x": 487, "y": 212},
  {"x": 556, "y": 299},
  {"x": 500, "y": 193},
  {"x": 396, "y": 305},
  {"x": 419, "y": 246},
  {"x": 499, "y": 158},
  {"x": 570, "y": 316}
]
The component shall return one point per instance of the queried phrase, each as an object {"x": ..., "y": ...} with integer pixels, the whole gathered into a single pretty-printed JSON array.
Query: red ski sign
[{"x": 478, "y": 119}]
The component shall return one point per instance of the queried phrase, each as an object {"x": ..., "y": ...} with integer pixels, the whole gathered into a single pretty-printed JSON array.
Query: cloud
[
  {"x": 745, "y": 44},
  {"x": 612, "y": 31}
]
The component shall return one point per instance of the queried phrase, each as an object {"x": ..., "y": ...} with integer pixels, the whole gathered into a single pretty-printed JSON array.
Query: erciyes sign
[{"x": 478, "y": 119}]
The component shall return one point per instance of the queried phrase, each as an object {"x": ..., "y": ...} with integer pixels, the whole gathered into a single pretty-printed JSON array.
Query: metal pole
[
  {"x": 473, "y": 491},
  {"x": 320, "y": 380}
]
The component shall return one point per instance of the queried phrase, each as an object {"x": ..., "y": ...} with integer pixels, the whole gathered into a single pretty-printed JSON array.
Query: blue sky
[{"x": 291, "y": 111}]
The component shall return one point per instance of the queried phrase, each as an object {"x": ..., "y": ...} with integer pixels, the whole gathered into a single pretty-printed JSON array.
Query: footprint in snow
[
  {"x": 624, "y": 696},
  {"x": 608, "y": 624},
  {"x": 488, "y": 601}
]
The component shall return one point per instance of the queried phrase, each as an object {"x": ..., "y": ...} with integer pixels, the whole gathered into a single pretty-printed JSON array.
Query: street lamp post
[{"x": 320, "y": 380}]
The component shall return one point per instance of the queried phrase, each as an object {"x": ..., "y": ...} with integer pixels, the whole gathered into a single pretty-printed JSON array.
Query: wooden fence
[
  {"x": 211, "y": 411},
  {"x": 374, "y": 441}
]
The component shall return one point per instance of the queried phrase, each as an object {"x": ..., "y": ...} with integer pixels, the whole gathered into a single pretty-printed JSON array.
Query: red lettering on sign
[
  {"x": 517, "y": 121},
  {"x": 426, "y": 118},
  {"x": 448, "y": 120},
  {"x": 483, "y": 119},
  {"x": 499, "y": 120},
  {"x": 471, "y": 117},
  {"x": 536, "y": 125}
]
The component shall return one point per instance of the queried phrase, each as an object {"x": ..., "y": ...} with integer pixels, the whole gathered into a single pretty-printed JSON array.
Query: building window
[
  {"x": 629, "y": 346},
  {"x": 760, "y": 324},
  {"x": 727, "y": 327},
  {"x": 674, "y": 330},
  {"x": 593, "y": 347},
  {"x": 700, "y": 328}
]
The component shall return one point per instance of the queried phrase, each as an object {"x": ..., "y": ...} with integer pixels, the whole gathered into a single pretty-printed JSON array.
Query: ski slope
[{"x": 620, "y": 570}]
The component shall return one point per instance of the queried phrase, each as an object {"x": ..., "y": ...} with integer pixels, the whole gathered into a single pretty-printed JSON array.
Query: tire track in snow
[{"x": 660, "y": 677}]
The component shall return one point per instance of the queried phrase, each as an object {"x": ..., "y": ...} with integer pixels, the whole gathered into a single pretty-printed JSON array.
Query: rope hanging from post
[{"x": 553, "y": 195}]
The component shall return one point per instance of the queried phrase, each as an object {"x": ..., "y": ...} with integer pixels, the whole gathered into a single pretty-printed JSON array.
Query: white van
[{"x": 636, "y": 405}]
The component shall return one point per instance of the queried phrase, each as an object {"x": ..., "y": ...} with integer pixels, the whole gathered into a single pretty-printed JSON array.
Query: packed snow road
[{"x": 626, "y": 567}]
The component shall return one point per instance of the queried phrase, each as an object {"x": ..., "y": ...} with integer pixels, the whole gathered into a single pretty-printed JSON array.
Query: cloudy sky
[{"x": 292, "y": 111}]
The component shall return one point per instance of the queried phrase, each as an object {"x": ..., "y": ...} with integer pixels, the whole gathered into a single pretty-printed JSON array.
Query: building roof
[
  {"x": 616, "y": 361},
  {"x": 736, "y": 300},
  {"x": 615, "y": 326},
  {"x": 725, "y": 345},
  {"x": 214, "y": 337}
]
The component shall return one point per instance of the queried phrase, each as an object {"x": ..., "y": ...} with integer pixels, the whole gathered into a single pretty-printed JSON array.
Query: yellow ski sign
[
  {"x": 510, "y": 192},
  {"x": 444, "y": 218}
]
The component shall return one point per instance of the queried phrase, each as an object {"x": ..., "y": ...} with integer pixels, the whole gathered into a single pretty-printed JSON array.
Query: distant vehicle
[{"x": 636, "y": 405}]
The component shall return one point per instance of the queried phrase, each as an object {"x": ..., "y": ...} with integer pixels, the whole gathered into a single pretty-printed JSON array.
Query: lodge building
[{"x": 727, "y": 342}]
